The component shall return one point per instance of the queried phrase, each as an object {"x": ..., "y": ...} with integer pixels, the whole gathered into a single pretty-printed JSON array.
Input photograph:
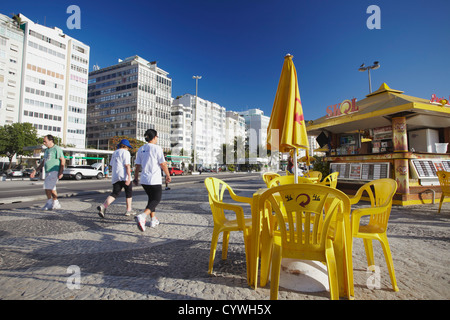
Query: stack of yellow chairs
[{"x": 304, "y": 221}]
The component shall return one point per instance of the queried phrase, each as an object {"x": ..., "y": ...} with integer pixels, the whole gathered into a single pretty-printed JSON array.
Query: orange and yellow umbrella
[{"x": 287, "y": 129}]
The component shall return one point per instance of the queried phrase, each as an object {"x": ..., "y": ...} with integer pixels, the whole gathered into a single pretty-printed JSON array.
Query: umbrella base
[{"x": 303, "y": 275}]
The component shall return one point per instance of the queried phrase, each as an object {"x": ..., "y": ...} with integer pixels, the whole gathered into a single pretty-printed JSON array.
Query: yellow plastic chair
[
  {"x": 444, "y": 181},
  {"x": 330, "y": 180},
  {"x": 380, "y": 193},
  {"x": 309, "y": 222},
  {"x": 216, "y": 190},
  {"x": 268, "y": 176},
  {"x": 283, "y": 180},
  {"x": 314, "y": 174}
]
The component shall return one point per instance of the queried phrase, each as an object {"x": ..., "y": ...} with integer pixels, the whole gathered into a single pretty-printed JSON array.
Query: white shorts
[{"x": 51, "y": 178}]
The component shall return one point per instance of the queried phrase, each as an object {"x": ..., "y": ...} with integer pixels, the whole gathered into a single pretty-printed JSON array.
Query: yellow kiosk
[{"x": 388, "y": 135}]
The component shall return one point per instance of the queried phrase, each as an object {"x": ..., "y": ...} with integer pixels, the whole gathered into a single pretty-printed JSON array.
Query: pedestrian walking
[
  {"x": 150, "y": 160},
  {"x": 290, "y": 165},
  {"x": 121, "y": 178},
  {"x": 53, "y": 163}
]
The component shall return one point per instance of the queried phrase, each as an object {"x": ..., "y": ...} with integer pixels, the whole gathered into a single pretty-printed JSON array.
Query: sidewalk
[{"x": 73, "y": 254}]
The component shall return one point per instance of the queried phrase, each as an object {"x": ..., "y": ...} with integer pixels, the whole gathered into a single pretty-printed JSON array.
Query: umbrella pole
[
  {"x": 307, "y": 161},
  {"x": 295, "y": 167}
]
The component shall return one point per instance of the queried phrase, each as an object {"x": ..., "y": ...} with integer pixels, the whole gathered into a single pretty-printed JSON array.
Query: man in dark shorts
[{"x": 121, "y": 178}]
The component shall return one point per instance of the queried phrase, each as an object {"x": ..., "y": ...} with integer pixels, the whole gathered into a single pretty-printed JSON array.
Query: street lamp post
[
  {"x": 195, "y": 120},
  {"x": 362, "y": 68}
]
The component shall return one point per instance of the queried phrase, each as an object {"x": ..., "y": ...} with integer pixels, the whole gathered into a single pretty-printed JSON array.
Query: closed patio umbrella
[{"x": 287, "y": 124}]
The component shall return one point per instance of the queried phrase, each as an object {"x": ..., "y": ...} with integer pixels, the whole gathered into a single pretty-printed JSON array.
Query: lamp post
[
  {"x": 195, "y": 120},
  {"x": 362, "y": 68}
]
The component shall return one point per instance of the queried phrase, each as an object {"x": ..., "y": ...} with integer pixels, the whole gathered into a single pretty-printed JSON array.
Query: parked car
[
  {"x": 80, "y": 172},
  {"x": 15, "y": 173},
  {"x": 176, "y": 172}
]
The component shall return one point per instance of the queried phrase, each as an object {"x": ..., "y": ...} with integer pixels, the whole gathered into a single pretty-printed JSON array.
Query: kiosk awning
[{"x": 377, "y": 110}]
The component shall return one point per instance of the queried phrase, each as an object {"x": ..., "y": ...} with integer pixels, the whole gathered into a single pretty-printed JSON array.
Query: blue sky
[{"x": 238, "y": 46}]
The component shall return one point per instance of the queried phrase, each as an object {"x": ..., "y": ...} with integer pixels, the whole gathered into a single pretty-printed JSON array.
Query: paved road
[{"x": 23, "y": 190}]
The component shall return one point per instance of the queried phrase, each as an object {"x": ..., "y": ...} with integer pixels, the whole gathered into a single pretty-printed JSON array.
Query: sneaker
[
  {"x": 131, "y": 212},
  {"x": 140, "y": 220},
  {"x": 48, "y": 205},
  {"x": 154, "y": 222},
  {"x": 101, "y": 211},
  {"x": 56, "y": 205}
]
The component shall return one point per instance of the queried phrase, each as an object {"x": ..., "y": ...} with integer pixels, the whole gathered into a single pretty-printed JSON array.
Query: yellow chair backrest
[
  {"x": 305, "y": 213},
  {"x": 444, "y": 181},
  {"x": 381, "y": 193},
  {"x": 283, "y": 180},
  {"x": 314, "y": 174},
  {"x": 330, "y": 180},
  {"x": 268, "y": 176},
  {"x": 216, "y": 190}
]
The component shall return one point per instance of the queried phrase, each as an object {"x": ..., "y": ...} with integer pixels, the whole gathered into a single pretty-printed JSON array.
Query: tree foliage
[{"x": 14, "y": 137}]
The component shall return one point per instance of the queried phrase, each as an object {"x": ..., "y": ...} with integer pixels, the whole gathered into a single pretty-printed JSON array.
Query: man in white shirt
[
  {"x": 150, "y": 159},
  {"x": 121, "y": 177}
]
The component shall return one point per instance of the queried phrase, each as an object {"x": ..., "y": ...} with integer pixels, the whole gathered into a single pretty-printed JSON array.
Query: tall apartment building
[
  {"x": 54, "y": 83},
  {"x": 234, "y": 127},
  {"x": 127, "y": 99},
  {"x": 209, "y": 129},
  {"x": 11, "y": 51},
  {"x": 256, "y": 124},
  {"x": 181, "y": 129}
]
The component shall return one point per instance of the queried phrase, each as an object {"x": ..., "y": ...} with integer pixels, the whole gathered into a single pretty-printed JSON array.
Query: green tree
[
  {"x": 14, "y": 137},
  {"x": 321, "y": 165}
]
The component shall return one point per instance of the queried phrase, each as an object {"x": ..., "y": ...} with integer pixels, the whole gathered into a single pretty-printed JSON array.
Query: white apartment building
[
  {"x": 234, "y": 127},
  {"x": 54, "y": 83},
  {"x": 11, "y": 50},
  {"x": 256, "y": 124},
  {"x": 181, "y": 130},
  {"x": 128, "y": 98},
  {"x": 208, "y": 132}
]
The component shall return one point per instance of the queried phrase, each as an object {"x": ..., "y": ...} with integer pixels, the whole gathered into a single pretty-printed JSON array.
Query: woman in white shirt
[{"x": 150, "y": 160}]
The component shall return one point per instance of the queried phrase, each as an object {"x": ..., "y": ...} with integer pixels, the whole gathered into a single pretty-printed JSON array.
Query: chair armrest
[
  {"x": 368, "y": 211},
  {"x": 242, "y": 199},
  {"x": 357, "y": 214},
  {"x": 237, "y": 198},
  {"x": 233, "y": 207},
  {"x": 355, "y": 199}
]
